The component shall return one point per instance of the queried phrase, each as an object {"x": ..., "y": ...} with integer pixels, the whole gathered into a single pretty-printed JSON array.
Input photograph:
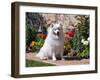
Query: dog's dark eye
[{"x": 58, "y": 28}]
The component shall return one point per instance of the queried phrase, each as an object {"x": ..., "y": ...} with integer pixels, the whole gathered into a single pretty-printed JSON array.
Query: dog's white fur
[{"x": 53, "y": 46}]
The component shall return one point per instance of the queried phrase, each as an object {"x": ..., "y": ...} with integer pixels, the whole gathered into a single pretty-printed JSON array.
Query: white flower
[
  {"x": 86, "y": 42},
  {"x": 82, "y": 40},
  {"x": 88, "y": 38}
]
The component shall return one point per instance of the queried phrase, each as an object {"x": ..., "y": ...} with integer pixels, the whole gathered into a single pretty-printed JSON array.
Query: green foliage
[
  {"x": 33, "y": 63},
  {"x": 30, "y": 33},
  {"x": 39, "y": 42},
  {"x": 76, "y": 42},
  {"x": 82, "y": 32},
  {"x": 85, "y": 52},
  {"x": 33, "y": 49},
  {"x": 33, "y": 22},
  {"x": 83, "y": 26}
]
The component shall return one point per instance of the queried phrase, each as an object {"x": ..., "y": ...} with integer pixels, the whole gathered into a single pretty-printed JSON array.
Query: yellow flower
[
  {"x": 64, "y": 46},
  {"x": 32, "y": 43}
]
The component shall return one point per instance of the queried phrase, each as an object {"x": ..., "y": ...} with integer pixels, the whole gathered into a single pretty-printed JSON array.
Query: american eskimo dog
[{"x": 54, "y": 43}]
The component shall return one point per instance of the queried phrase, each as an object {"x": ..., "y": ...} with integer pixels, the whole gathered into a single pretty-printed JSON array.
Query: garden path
[{"x": 31, "y": 56}]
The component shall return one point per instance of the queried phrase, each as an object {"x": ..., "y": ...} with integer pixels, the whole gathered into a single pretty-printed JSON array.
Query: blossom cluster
[{"x": 85, "y": 42}]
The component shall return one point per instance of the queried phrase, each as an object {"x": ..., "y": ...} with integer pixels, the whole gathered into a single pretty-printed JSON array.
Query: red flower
[
  {"x": 69, "y": 35},
  {"x": 41, "y": 35}
]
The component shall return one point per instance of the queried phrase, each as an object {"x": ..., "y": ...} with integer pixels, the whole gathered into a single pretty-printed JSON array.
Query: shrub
[{"x": 82, "y": 32}]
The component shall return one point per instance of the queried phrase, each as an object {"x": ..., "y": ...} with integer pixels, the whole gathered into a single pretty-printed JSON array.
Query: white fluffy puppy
[{"x": 53, "y": 46}]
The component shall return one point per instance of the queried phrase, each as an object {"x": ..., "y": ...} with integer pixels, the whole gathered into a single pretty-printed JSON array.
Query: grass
[{"x": 33, "y": 63}]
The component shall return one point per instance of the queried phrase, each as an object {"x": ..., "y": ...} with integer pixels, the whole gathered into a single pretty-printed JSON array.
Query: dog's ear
[
  {"x": 60, "y": 23},
  {"x": 52, "y": 25}
]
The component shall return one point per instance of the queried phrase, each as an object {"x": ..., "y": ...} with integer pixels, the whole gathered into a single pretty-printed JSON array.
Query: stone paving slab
[{"x": 31, "y": 56}]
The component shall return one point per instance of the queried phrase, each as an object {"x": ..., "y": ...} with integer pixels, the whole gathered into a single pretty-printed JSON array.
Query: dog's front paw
[{"x": 54, "y": 58}]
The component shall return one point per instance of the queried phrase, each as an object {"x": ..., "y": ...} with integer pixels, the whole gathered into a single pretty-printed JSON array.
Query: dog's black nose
[{"x": 58, "y": 33}]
